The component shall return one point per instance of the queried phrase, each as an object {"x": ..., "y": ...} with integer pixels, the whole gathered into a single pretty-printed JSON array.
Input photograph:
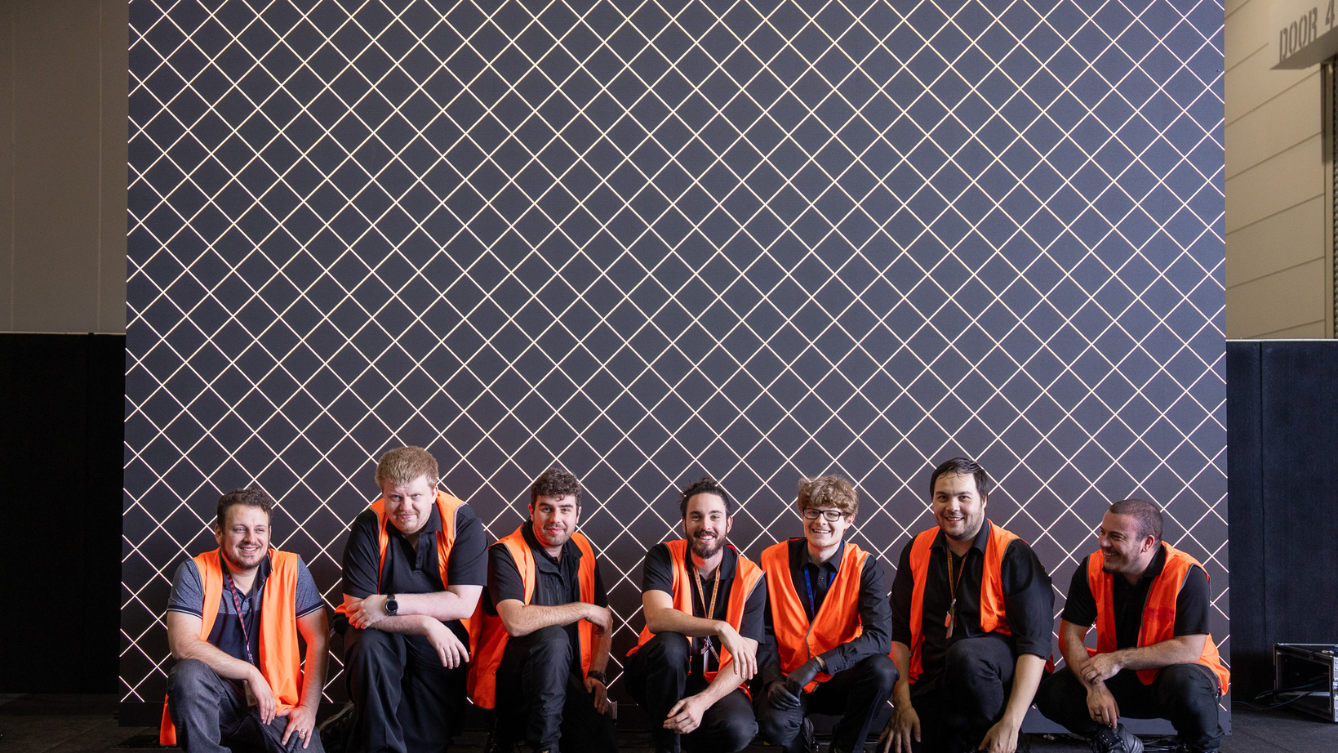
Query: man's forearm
[
  {"x": 1071, "y": 647},
  {"x": 901, "y": 691},
  {"x": 222, "y": 663},
  {"x": 523, "y": 620},
  {"x": 1026, "y": 678},
  {"x": 599, "y": 659},
  {"x": 726, "y": 680},
  {"x": 669, "y": 620},
  {"x": 313, "y": 672},
  {"x": 412, "y": 624},
  {"x": 439, "y": 605},
  {"x": 1184, "y": 649}
]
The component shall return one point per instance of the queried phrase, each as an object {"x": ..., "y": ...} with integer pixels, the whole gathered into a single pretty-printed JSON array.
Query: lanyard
[
  {"x": 950, "y": 619},
  {"x": 813, "y": 604},
  {"x": 707, "y": 647},
  {"x": 237, "y": 602}
]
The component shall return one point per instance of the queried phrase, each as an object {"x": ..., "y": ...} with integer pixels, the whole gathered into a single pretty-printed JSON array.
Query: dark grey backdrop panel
[{"x": 652, "y": 240}]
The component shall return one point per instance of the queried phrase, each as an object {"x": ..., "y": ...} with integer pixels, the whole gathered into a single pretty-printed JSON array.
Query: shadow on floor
[{"x": 68, "y": 723}]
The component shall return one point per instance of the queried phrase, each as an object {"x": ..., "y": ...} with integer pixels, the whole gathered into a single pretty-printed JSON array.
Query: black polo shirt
[
  {"x": 557, "y": 581},
  {"x": 657, "y": 574},
  {"x": 1192, "y": 605},
  {"x": 414, "y": 571},
  {"x": 1029, "y": 599},
  {"x": 875, "y": 613}
]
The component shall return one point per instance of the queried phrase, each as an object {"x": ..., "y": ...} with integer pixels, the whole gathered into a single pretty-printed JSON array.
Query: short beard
[{"x": 700, "y": 549}]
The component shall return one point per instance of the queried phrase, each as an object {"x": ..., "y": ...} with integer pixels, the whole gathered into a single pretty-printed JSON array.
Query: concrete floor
[{"x": 88, "y": 724}]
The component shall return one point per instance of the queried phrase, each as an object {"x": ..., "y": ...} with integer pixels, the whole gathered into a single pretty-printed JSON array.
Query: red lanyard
[{"x": 237, "y": 602}]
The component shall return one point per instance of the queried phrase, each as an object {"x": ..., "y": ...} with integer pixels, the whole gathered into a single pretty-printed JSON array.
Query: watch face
[{"x": 392, "y": 606}]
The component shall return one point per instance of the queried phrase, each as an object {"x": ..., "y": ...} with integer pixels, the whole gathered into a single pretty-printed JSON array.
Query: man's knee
[
  {"x": 738, "y": 732},
  {"x": 371, "y": 648},
  {"x": 775, "y": 726},
  {"x": 550, "y": 642},
  {"x": 1186, "y": 686},
  {"x": 964, "y": 660},
  {"x": 881, "y": 672},
  {"x": 188, "y": 678},
  {"x": 1055, "y": 692},
  {"x": 668, "y": 647}
]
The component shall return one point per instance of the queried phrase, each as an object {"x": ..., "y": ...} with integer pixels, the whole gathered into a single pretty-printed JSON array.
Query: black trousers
[
  {"x": 657, "y": 677},
  {"x": 538, "y": 694},
  {"x": 857, "y": 694},
  {"x": 1184, "y": 694},
  {"x": 406, "y": 701},
  {"x": 959, "y": 705},
  {"x": 211, "y": 715}
]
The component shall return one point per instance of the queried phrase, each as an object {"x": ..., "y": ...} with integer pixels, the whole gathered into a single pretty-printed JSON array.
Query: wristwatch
[
  {"x": 596, "y": 674},
  {"x": 392, "y": 606}
]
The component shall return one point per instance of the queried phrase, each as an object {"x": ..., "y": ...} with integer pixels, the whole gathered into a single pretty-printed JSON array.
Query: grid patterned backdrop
[{"x": 650, "y": 240}]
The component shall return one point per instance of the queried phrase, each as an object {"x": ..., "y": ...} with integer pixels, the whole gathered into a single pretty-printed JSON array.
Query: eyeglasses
[{"x": 831, "y": 516}]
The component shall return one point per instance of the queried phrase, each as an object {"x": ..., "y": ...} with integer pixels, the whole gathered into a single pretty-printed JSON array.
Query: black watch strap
[{"x": 596, "y": 674}]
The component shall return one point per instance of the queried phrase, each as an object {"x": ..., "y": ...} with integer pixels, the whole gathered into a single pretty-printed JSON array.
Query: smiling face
[
  {"x": 243, "y": 540},
  {"x": 409, "y": 506},
  {"x": 958, "y": 507},
  {"x": 821, "y": 532},
  {"x": 554, "y": 520},
  {"x": 706, "y": 524},
  {"x": 1125, "y": 550}
]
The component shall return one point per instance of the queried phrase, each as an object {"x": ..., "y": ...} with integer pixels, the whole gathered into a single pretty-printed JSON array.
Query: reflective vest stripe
[
  {"x": 1158, "y": 612},
  {"x": 280, "y": 660},
  {"x": 837, "y": 622},
  {"x": 493, "y": 637}
]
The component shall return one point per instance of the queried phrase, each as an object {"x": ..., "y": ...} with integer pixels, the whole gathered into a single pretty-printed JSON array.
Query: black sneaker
[
  {"x": 808, "y": 737},
  {"x": 337, "y": 731},
  {"x": 1118, "y": 740}
]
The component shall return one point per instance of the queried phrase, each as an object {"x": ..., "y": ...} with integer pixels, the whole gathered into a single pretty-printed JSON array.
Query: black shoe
[
  {"x": 1118, "y": 740},
  {"x": 496, "y": 744},
  {"x": 808, "y": 738},
  {"x": 337, "y": 731}
]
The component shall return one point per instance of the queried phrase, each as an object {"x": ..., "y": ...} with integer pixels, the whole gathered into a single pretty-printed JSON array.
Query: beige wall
[
  {"x": 1278, "y": 222},
  {"x": 63, "y": 134}
]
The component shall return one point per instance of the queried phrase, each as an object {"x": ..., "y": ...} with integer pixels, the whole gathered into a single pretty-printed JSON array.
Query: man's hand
[
  {"x": 903, "y": 725},
  {"x": 601, "y": 694},
  {"x": 802, "y": 675},
  {"x": 1001, "y": 738},
  {"x": 780, "y": 697},
  {"x": 363, "y": 613},
  {"x": 686, "y": 715},
  {"x": 301, "y": 720},
  {"x": 1100, "y": 668},
  {"x": 742, "y": 650},
  {"x": 1102, "y": 706},
  {"x": 265, "y": 703},
  {"x": 600, "y": 617},
  {"x": 449, "y": 648}
]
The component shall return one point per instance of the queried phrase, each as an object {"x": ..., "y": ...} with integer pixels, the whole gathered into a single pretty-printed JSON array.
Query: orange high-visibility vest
[
  {"x": 446, "y": 506},
  {"x": 992, "y": 617},
  {"x": 746, "y": 576},
  {"x": 493, "y": 636},
  {"x": 1158, "y": 612},
  {"x": 280, "y": 660},
  {"x": 837, "y": 622}
]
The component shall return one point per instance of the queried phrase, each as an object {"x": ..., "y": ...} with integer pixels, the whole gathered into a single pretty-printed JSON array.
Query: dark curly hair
[{"x": 555, "y": 482}]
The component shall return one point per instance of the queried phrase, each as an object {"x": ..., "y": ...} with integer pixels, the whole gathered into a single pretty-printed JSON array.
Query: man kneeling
[
  {"x": 546, "y": 631},
  {"x": 832, "y": 627},
  {"x": 1154, "y": 655},
  {"x": 232, "y": 624}
]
